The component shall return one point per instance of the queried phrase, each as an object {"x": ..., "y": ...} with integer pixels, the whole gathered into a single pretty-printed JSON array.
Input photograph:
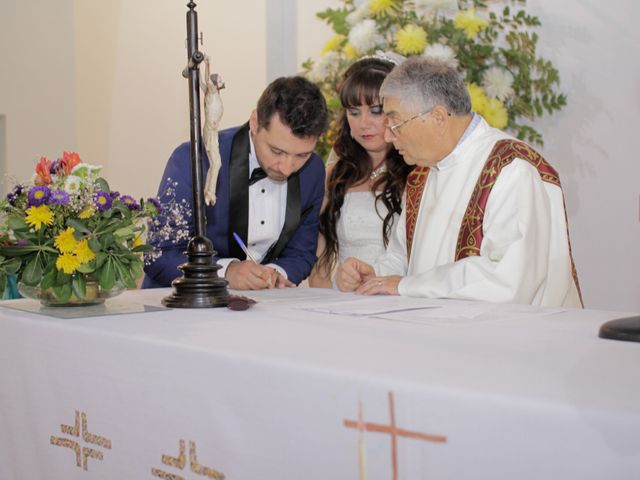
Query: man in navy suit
[{"x": 269, "y": 192}]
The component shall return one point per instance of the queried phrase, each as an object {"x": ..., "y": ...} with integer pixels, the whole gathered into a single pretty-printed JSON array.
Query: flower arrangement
[
  {"x": 66, "y": 227},
  {"x": 493, "y": 46}
]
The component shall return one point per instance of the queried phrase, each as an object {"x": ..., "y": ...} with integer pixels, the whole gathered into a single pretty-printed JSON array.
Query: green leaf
[
  {"x": 62, "y": 292},
  {"x": 77, "y": 225},
  {"x": 32, "y": 274},
  {"x": 124, "y": 232},
  {"x": 102, "y": 184},
  {"x": 106, "y": 275},
  {"x": 79, "y": 286},
  {"x": 88, "y": 267},
  {"x": 48, "y": 280},
  {"x": 17, "y": 223}
]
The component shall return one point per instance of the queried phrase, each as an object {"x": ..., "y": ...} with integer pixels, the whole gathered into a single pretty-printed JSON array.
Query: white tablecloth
[{"x": 304, "y": 386}]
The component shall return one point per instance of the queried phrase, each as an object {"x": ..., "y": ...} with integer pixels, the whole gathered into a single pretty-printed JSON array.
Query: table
[{"x": 316, "y": 384}]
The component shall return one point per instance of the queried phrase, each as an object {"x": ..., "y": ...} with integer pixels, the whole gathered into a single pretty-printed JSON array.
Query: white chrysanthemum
[
  {"x": 359, "y": 14},
  {"x": 428, "y": 8},
  {"x": 360, "y": 3},
  {"x": 442, "y": 53},
  {"x": 498, "y": 82},
  {"x": 364, "y": 36},
  {"x": 72, "y": 184},
  {"x": 322, "y": 67}
]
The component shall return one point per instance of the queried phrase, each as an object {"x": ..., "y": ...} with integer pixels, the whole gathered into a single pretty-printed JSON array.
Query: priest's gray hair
[{"x": 420, "y": 84}]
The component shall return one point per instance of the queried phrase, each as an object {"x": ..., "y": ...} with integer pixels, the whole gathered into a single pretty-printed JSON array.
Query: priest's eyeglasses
[{"x": 394, "y": 128}]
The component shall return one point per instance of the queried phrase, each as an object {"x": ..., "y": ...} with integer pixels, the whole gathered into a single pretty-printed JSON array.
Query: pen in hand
[
  {"x": 246, "y": 251},
  {"x": 244, "y": 247}
]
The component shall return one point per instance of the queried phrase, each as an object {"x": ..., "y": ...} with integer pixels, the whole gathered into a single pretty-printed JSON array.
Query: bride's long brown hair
[{"x": 360, "y": 86}]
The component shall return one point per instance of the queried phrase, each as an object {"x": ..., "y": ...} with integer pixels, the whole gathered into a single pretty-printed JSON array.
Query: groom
[{"x": 269, "y": 193}]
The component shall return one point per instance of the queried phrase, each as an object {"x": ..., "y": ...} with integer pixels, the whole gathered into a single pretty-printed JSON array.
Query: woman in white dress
[{"x": 364, "y": 187}]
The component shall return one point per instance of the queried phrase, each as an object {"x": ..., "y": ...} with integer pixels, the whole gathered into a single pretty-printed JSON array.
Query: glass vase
[{"x": 94, "y": 294}]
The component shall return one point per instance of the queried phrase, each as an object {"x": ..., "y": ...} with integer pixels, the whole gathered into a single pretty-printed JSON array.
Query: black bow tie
[{"x": 256, "y": 175}]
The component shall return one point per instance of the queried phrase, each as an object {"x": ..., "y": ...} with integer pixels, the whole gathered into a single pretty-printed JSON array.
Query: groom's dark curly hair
[{"x": 299, "y": 104}]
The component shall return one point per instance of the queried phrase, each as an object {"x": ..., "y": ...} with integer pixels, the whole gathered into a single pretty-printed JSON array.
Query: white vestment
[{"x": 524, "y": 256}]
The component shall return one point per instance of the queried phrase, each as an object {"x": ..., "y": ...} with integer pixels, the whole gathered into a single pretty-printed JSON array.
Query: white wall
[
  {"x": 103, "y": 78},
  {"x": 37, "y": 83}
]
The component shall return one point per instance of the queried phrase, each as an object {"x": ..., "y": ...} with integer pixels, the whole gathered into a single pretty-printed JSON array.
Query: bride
[{"x": 364, "y": 187}]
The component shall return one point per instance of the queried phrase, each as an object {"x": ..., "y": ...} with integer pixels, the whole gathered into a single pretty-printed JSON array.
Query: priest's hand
[
  {"x": 380, "y": 285},
  {"x": 353, "y": 273},
  {"x": 248, "y": 275}
]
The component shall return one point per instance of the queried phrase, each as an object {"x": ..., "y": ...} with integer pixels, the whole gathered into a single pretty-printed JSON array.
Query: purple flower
[
  {"x": 55, "y": 167},
  {"x": 155, "y": 203},
  {"x": 130, "y": 202},
  {"x": 23, "y": 242},
  {"x": 114, "y": 194},
  {"x": 38, "y": 195},
  {"x": 59, "y": 197},
  {"x": 102, "y": 200},
  {"x": 13, "y": 195}
]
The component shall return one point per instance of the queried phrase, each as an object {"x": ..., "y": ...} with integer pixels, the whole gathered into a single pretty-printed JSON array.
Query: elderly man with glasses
[{"x": 484, "y": 217}]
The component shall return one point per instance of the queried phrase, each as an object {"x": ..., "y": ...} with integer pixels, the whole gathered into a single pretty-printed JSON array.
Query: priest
[{"x": 484, "y": 215}]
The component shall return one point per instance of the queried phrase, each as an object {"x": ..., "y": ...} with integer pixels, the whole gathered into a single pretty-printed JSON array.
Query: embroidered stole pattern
[{"x": 416, "y": 181}]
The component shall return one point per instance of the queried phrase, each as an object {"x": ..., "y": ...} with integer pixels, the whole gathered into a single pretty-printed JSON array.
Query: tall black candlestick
[{"x": 200, "y": 286}]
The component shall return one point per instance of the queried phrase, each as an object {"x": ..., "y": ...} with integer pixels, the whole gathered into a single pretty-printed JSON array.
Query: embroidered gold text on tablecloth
[
  {"x": 179, "y": 462},
  {"x": 391, "y": 429},
  {"x": 83, "y": 453}
]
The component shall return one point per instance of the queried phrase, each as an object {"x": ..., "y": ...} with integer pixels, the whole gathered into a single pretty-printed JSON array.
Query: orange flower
[
  {"x": 43, "y": 172},
  {"x": 69, "y": 160}
]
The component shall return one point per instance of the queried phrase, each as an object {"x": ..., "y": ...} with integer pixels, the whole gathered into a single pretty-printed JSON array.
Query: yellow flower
[
  {"x": 37, "y": 216},
  {"x": 87, "y": 212},
  {"x": 84, "y": 252},
  {"x": 137, "y": 241},
  {"x": 468, "y": 21},
  {"x": 479, "y": 99},
  {"x": 333, "y": 43},
  {"x": 383, "y": 7},
  {"x": 496, "y": 114},
  {"x": 65, "y": 241},
  {"x": 411, "y": 40},
  {"x": 350, "y": 52},
  {"x": 68, "y": 263}
]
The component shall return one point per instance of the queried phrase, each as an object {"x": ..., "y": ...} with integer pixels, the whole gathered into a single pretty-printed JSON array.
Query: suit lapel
[
  {"x": 239, "y": 191},
  {"x": 291, "y": 219}
]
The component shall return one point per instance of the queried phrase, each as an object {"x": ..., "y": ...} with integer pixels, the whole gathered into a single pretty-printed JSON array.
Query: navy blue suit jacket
[{"x": 295, "y": 249}]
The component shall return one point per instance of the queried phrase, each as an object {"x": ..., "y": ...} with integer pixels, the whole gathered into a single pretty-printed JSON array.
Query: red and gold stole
[{"x": 416, "y": 181}]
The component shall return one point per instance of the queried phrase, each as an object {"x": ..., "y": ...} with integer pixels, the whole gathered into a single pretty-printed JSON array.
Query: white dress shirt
[{"x": 267, "y": 208}]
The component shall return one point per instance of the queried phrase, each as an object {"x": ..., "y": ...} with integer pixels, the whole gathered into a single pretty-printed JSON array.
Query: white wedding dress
[{"x": 359, "y": 228}]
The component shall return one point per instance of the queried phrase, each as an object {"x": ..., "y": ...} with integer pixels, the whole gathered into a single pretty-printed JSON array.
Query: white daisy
[
  {"x": 442, "y": 53},
  {"x": 428, "y": 8},
  {"x": 72, "y": 184},
  {"x": 364, "y": 36},
  {"x": 497, "y": 82},
  {"x": 322, "y": 67},
  {"x": 359, "y": 14}
]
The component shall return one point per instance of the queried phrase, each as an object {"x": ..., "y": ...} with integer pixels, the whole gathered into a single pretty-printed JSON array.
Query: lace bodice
[{"x": 359, "y": 228}]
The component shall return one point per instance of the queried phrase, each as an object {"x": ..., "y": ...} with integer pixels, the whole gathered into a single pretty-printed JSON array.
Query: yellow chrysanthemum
[
  {"x": 333, "y": 43},
  {"x": 65, "y": 241},
  {"x": 68, "y": 263},
  {"x": 84, "y": 252},
  {"x": 479, "y": 99},
  {"x": 37, "y": 216},
  {"x": 383, "y": 7},
  {"x": 496, "y": 114},
  {"x": 87, "y": 212},
  {"x": 350, "y": 52},
  {"x": 471, "y": 23},
  {"x": 411, "y": 40}
]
